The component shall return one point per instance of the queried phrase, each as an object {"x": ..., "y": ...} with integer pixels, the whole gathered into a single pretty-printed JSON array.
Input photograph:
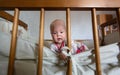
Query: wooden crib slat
[
  {"x": 13, "y": 43},
  {"x": 41, "y": 43},
  {"x": 68, "y": 27},
  {"x": 118, "y": 17},
  {"x": 96, "y": 42},
  {"x": 69, "y": 66}
]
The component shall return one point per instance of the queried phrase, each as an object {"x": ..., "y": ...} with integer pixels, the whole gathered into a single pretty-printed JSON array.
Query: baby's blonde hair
[{"x": 57, "y": 22}]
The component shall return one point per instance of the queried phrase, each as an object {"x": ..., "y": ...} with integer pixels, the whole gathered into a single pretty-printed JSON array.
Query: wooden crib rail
[
  {"x": 9, "y": 17},
  {"x": 37, "y": 4}
]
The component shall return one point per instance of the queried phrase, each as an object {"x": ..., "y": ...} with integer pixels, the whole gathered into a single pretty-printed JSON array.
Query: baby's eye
[
  {"x": 54, "y": 33},
  {"x": 61, "y": 32}
]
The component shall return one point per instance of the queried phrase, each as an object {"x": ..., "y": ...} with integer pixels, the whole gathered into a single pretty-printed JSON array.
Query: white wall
[{"x": 81, "y": 25}]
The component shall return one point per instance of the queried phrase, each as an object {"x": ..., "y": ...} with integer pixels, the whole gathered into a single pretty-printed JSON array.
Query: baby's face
[{"x": 59, "y": 34}]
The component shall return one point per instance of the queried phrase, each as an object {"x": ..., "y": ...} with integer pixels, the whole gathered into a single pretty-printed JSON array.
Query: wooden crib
[
  {"x": 108, "y": 28},
  {"x": 10, "y": 18},
  {"x": 67, "y": 5}
]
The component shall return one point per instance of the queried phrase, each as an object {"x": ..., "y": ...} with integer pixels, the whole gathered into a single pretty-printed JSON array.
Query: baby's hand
[{"x": 62, "y": 56}]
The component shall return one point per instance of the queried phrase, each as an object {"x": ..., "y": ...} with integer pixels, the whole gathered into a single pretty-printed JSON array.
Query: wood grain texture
[{"x": 34, "y": 4}]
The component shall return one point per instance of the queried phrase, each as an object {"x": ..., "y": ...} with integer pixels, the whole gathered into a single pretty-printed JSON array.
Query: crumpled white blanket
[
  {"x": 84, "y": 63},
  {"x": 25, "y": 49}
]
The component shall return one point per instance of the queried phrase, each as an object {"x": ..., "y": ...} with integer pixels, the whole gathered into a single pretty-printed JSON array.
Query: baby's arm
[
  {"x": 62, "y": 56},
  {"x": 78, "y": 47},
  {"x": 65, "y": 51},
  {"x": 81, "y": 47}
]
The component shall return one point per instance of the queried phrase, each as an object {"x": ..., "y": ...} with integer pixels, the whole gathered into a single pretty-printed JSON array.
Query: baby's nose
[{"x": 58, "y": 34}]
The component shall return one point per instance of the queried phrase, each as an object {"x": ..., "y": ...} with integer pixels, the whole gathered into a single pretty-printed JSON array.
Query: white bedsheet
[{"x": 83, "y": 63}]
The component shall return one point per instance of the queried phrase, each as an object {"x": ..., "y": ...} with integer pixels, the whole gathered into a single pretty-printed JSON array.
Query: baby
[{"x": 58, "y": 32}]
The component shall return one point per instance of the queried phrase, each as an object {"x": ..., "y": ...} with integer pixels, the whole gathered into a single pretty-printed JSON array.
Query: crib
[
  {"x": 66, "y": 5},
  {"x": 111, "y": 30}
]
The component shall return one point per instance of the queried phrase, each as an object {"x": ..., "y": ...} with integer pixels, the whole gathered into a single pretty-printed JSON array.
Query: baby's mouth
[{"x": 59, "y": 39}]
